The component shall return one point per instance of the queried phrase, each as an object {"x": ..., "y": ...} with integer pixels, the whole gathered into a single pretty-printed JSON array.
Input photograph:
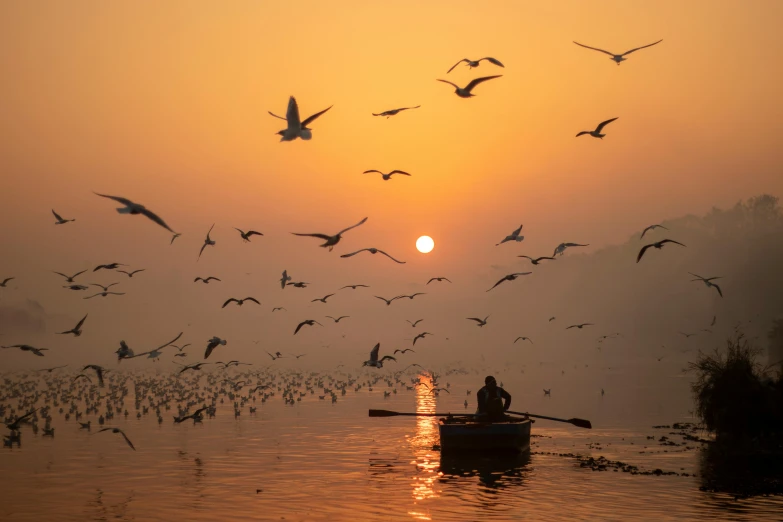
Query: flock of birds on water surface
[{"x": 184, "y": 386}]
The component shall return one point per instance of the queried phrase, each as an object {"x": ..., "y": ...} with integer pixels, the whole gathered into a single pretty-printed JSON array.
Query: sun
[{"x": 425, "y": 244}]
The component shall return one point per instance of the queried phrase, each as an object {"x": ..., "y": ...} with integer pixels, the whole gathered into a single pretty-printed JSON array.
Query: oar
[
  {"x": 579, "y": 423},
  {"x": 389, "y": 413}
]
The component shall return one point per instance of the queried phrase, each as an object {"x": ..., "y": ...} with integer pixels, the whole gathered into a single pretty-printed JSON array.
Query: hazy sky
[{"x": 166, "y": 103}]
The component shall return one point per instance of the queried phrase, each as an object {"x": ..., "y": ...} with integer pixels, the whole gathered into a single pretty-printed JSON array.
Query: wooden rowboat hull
[{"x": 500, "y": 437}]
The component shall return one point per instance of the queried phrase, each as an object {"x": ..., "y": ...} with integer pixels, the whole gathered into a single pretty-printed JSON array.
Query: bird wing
[
  {"x": 574, "y": 245},
  {"x": 312, "y": 118},
  {"x": 671, "y": 241},
  {"x": 275, "y": 115},
  {"x": 170, "y": 342},
  {"x": 390, "y": 257},
  {"x": 126, "y": 438},
  {"x": 352, "y": 226},
  {"x": 476, "y": 318},
  {"x": 642, "y": 47},
  {"x": 57, "y": 216},
  {"x": 521, "y": 273},
  {"x": 645, "y": 231},
  {"x": 229, "y": 300},
  {"x": 154, "y": 217},
  {"x": 641, "y": 252},
  {"x": 399, "y": 172},
  {"x": 477, "y": 81},
  {"x": 718, "y": 289},
  {"x": 299, "y": 327},
  {"x": 65, "y": 276},
  {"x": 696, "y": 275},
  {"x": 496, "y": 284},
  {"x": 581, "y": 133},
  {"x": 371, "y": 171},
  {"x": 292, "y": 113},
  {"x": 118, "y": 199},
  {"x": 354, "y": 253},
  {"x": 80, "y": 323},
  {"x": 594, "y": 48},
  {"x": 253, "y": 233},
  {"x": 456, "y": 64},
  {"x": 253, "y": 299},
  {"x": 202, "y": 250},
  {"x": 604, "y": 124},
  {"x": 517, "y": 231},
  {"x": 320, "y": 236},
  {"x": 452, "y": 84},
  {"x": 493, "y": 60},
  {"x": 374, "y": 352}
]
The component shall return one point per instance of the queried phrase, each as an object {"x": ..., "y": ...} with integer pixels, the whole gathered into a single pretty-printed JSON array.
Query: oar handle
[
  {"x": 389, "y": 413},
  {"x": 580, "y": 423}
]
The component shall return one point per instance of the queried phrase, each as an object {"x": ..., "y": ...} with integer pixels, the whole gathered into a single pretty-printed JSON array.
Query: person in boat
[{"x": 493, "y": 400}]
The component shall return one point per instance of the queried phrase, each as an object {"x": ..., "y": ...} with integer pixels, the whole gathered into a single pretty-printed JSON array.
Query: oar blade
[
  {"x": 581, "y": 423},
  {"x": 383, "y": 413}
]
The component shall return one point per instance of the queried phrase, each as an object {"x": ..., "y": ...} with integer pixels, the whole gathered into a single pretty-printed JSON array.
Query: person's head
[{"x": 490, "y": 382}]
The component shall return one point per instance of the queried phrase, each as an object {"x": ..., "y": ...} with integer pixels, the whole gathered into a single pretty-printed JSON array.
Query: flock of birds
[{"x": 184, "y": 386}]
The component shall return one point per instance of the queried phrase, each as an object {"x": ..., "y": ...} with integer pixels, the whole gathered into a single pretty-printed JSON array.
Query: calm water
[{"x": 318, "y": 460}]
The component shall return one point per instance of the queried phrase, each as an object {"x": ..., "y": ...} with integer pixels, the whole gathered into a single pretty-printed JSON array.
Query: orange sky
[{"x": 165, "y": 103}]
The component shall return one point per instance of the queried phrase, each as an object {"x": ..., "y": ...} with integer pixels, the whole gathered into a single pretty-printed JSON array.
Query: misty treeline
[{"x": 650, "y": 302}]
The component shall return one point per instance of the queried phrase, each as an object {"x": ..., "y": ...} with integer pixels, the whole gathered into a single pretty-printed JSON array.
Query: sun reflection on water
[{"x": 427, "y": 460}]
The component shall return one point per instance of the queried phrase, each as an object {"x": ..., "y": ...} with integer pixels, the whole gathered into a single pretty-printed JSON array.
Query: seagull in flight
[
  {"x": 510, "y": 277},
  {"x": 205, "y": 280},
  {"x": 618, "y": 57},
  {"x": 155, "y": 353},
  {"x": 240, "y": 302},
  {"x": 117, "y": 430},
  {"x": 104, "y": 294},
  {"x": 386, "y": 177},
  {"x": 537, "y": 260},
  {"x": 373, "y": 251},
  {"x": 475, "y": 63},
  {"x": 387, "y": 301},
  {"x": 130, "y": 274},
  {"x": 524, "y": 339},
  {"x": 597, "y": 132},
  {"x": 406, "y": 350},
  {"x": 337, "y": 319},
  {"x": 438, "y": 279},
  {"x": 28, "y": 348},
  {"x": 707, "y": 282},
  {"x": 284, "y": 279},
  {"x": 246, "y": 235},
  {"x": 175, "y": 236},
  {"x": 76, "y": 330},
  {"x": 465, "y": 92},
  {"x": 211, "y": 345},
  {"x": 514, "y": 236},
  {"x": 99, "y": 371},
  {"x": 110, "y": 266},
  {"x": 354, "y": 287},
  {"x": 392, "y": 112},
  {"x": 136, "y": 209},
  {"x": 411, "y": 296},
  {"x": 299, "y": 284},
  {"x": 687, "y": 334},
  {"x": 652, "y": 227},
  {"x": 331, "y": 241},
  {"x": 69, "y": 279},
  {"x": 413, "y": 324},
  {"x": 207, "y": 242},
  {"x": 276, "y": 308},
  {"x": 374, "y": 361},
  {"x": 306, "y": 322},
  {"x": 296, "y": 128},
  {"x": 580, "y": 326},
  {"x": 322, "y": 299},
  {"x": 658, "y": 245},
  {"x": 420, "y": 336},
  {"x": 60, "y": 220},
  {"x": 481, "y": 322},
  {"x": 561, "y": 248}
]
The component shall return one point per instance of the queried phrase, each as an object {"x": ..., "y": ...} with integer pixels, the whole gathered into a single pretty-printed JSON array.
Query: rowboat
[{"x": 464, "y": 434}]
